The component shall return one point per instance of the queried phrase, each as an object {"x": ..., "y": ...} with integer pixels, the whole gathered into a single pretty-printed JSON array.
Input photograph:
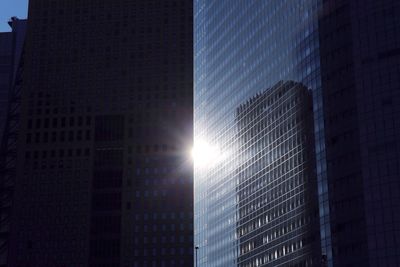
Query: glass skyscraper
[
  {"x": 242, "y": 48},
  {"x": 345, "y": 54}
]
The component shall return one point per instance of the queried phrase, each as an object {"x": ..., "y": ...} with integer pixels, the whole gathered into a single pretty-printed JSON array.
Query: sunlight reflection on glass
[{"x": 205, "y": 154}]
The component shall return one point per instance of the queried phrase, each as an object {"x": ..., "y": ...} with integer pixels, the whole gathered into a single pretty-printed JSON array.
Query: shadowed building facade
[
  {"x": 360, "y": 55},
  {"x": 11, "y": 46},
  {"x": 5, "y": 68},
  {"x": 103, "y": 177},
  {"x": 11, "y": 70}
]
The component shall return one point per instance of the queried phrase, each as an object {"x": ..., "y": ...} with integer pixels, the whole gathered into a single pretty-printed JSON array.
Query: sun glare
[{"x": 205, "y": 154}]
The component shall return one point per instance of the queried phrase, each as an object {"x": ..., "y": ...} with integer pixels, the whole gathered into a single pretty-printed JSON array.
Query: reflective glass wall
[{"x": 243, "y": 48}]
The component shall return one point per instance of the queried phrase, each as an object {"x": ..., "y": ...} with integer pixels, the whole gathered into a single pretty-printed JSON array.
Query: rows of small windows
[
  {"x": 284, "y": 133},
  {"x": 149, "y": 193},
  {"x": 163, "y": 216},
  {"x": 261, "y": 136},
  {"x": 66, "y": 212},
  {"x": 153, "y": 117},
  {"x": 257, "y": 104},
  {"x": 269, "y": 132},
  {"x": 51, "y": 249},
  {"x": 157, "y": 181},
  {"x": 279, "y": 144},
  {"x": 272, "y": 112},
  {"x": 176, "y": 227},
  {"x": 169, "y": 87},
  {"x": 278, "y": 253},
  {"x": 59, "y": 122},
  {"x": 162, "y": 263},
  {"x": 142, "y": 170},
  {"x": 150, "y": 53},
  {"x": 270, "y": 196},
  {"x": 272, "y": 175},
  {"x": 249, "y": 224},
  {"x": 158, "y": 95},
  {"x": 267, "y": 154},
  {"x": 61, "y": 136},
  {"x": 271, "y": 162},
  {"x": 262, "y": 167},
  {"x": 252, "y": 124},
  {"x": 144, "y": 149},
  {"x": 179, "y": 233},
  {"x": 138, "y": 61},
  {"x": 155, "y": 228},
  {"x": 171, "y": 104},
  {"x": 279, "y": 231},
  {"x": 151, "y": 182},
  {"x": 56, "y": 159},
  {"x": 165, "y": 181},
  {"x": 133, "y": 11},
  {"x": 57, "y": 110},
  {"x": 60, "y": 153},
  {"x": 55, "y": 103},
  {"x": 143, "y": 54},
  {"x": 161, "y": 251}
]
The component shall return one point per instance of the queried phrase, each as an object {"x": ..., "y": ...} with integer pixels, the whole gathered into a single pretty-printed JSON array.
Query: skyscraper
[
  {"x": 6, "y": 61},
  {"x": 103, "y": 177},
  {"x": 346, "y": 53},
  {"x": 11, "y": 61},
  {"x": 11, "y": 44},
  {"x": 277, "y": 218},
  {"x": 360, "y": 55},
  {"x": 243, "y": 48}
]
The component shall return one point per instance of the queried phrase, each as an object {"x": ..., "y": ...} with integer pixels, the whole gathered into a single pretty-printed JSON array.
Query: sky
[{"x": 11, "y": 8}]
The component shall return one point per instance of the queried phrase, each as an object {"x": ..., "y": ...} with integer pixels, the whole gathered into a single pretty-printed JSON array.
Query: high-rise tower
[
  {"x": 346, "y": 53},
  {"x": 11, "y": 61},
  {"x": 6, "y": 67},
  {"x": 244, "y": 49},
  {"x": 360, "y": 55},
  {"x": 277, "y": 217},
  {"x": 106, "y": 120}
]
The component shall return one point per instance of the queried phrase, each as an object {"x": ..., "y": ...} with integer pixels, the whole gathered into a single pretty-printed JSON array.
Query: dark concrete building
[
  {"x": 11, "y": 45},
  {"x": 103, "y": 177},
  {"x": 11, "y": 65},
  {"x": 276, "y": 176},
  {"x": 5, "y": 69}
]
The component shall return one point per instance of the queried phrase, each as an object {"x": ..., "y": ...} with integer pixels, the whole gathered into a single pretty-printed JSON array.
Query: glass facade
[
  {"x": 242, "y": 48},
  {"x": 277, "y": 218}
]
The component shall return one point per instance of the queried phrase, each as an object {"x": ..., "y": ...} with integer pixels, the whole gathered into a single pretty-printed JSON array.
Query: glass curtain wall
[{"x": 242, "y": 48}]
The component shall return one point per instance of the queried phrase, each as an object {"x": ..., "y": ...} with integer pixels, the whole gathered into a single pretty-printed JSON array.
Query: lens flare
[{"x": 204, "y": 154}]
